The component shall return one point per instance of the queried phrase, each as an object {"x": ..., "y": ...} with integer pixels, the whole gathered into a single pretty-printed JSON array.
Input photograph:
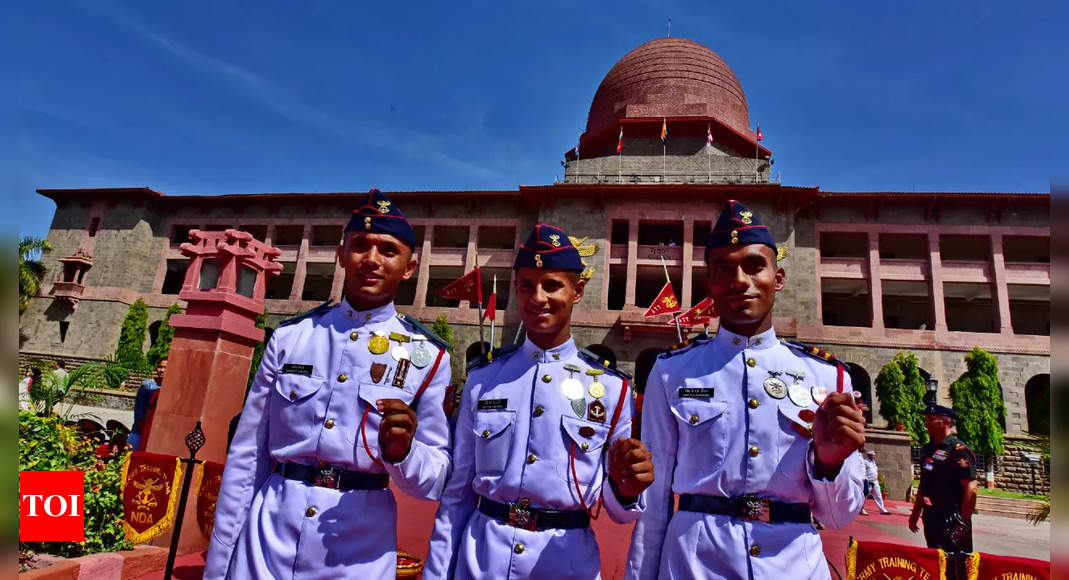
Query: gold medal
[
  {"x": 378, "y": 344},
  {"x": 596, "y": 389}
]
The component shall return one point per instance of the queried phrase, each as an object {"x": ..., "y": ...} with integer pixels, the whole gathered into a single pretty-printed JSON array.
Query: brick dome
[{"x": 669, "y": 77}]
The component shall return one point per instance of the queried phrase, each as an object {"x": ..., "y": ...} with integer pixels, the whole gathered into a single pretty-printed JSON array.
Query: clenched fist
[
  {"x": 396, "y": 430},
  {"x": 630, "y": 468},
  {"x": 838, "y": 431}
]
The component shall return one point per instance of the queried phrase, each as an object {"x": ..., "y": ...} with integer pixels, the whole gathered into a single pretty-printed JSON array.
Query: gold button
[
  {"x": 693, "y": 419},
  {"x": 354, "y": 335},
  {"x": 751, "y": 362},
  {"x": 519, "y": 548},
  {"x": 329, "y": 424},
  {"x": 754, "y": 403},
  {"x": 486, "y": 434},
  {"x": 539, "y": 410},
  {"x": 343, "y": 377},
  {"x": 585, "y": 446},
  {"x": 758, "y": 341},
  {"x": 735, "y": 341},
  {"x": 293, "y": 395},
  {"x": 311, "y": 511},
  {"x": 531, "y": 458},
  {"x": 546, "y": 378},
  {"x": 524, "y": 502},
  {"x": 754, "y": 451},
  {"x": 755, "y": 550}
]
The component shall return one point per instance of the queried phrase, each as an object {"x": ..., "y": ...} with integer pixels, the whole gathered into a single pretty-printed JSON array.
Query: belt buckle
[
  {"x": 522, "y": 516},
  {"x": 754, "y": 509},
  {"x": 327, "y": 477}
]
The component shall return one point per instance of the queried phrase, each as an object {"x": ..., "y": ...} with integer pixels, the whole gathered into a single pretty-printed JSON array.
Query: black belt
[
  {"x": 748, "y": 507},
  {"x": 333, "y": 477},
  {"x": 522, "y": 515}
]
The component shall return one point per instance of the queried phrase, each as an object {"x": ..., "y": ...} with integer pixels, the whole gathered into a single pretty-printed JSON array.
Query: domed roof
[{"x": 669, "y": 77}]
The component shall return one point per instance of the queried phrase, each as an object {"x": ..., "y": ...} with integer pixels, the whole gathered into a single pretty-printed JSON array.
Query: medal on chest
[
  {"x": 596, "y": 389},
  {"x": 572, "y": 390},
  {"x": 819, "y": 394},
  {"x": 378, "y": 343},
  {"x": 421, "y": 356},
  {"x": 799, "y": 395},
  {"x": 774, "y": 386}
]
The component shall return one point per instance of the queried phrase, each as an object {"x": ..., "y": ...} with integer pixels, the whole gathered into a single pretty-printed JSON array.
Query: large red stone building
[{"x": 869, "y": 273}]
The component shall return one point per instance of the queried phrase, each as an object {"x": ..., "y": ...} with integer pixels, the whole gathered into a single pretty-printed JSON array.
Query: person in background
[
  {"x": 872, "y": 483},
  {"x": 147, "y": 394}
]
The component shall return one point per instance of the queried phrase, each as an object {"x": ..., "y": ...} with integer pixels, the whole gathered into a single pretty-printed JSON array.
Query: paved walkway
[
  {"x": 992, "y": 534},
  {"x": 99, "y": 414}
]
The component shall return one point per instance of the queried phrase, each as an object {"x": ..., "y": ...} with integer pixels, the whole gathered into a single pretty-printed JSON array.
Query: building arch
[
  {"x": 603, "y": 352},
  {"x": 1037, "y": 404},
  {"x": 862, "y": 383},
  {"x": 154, "y": 332},
  {"x": 475, "y": 350}
]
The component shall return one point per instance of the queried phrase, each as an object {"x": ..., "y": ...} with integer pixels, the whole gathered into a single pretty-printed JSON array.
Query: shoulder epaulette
[
  {"x": 437, "y": 340},
  {"x": 599, "y": 362},
  {"x": 684, "y": 346},
  {"x": 321, "y": 309},
  {"x": 496, "y": 355},
  {"x": 814, "y": 352}
]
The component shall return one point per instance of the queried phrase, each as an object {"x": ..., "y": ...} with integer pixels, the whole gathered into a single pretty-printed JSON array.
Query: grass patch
[{"x": 983, "y": 491}]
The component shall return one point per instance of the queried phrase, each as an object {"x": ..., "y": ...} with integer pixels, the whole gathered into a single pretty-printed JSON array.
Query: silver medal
[
  {"x": 579, "y": 406},
  {"x": 800, "y": 395},
  {"x": 775, "y": 388},
  {"x": 819, "y": 394},
  {"x": 399, "y": 352},
  {"x": 572, "y": 389},
  {"x": 421, "y": 357}
]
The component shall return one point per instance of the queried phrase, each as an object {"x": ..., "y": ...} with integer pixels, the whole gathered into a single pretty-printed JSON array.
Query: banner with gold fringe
[
  {"x": 992, "y": 567},
  {"x": 207, "y": 492},
  {"x": 880, "y": 560},
  {"x": 151, "y": 484}
]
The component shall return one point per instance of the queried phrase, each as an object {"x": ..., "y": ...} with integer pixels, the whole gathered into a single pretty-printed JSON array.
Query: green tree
[
  {"x": 164, "y": 336},
  {"x": 977, "y": 400},
  {"x": 258, "y": 350},
  {"x": 900, "y": 387},
  {"x": 30, "y": 268},
  {"x": 443, "y": 330},
  {"x": 132, "y": 336}
]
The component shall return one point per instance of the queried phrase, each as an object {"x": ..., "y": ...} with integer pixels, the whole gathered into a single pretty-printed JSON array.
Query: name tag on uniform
[
  {"x": 493, "y": 404},
  {"x": 296, "y": 369},
  {"x": 696, "y": 393}
]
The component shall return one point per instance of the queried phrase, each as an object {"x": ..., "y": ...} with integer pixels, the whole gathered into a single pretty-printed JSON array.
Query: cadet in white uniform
[
  {"x": 755, "y": 434},
  {"x": 330, "y": 418}
]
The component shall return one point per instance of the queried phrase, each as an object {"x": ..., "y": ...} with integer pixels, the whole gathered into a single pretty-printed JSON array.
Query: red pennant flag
[
  {"x": 760, "y": 135},
  {"x": 620, "y": 141},
  {"x": 491, "y": 307},
  {"x": 468, "y": 287},
  {"x": 664, "y": 131},
  {"x": 700, "y": 313},
  {"x": 665, "y": 302}
]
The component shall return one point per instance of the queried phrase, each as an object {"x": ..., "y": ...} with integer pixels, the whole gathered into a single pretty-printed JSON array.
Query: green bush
[
  {"x": 900, "y": 388},
  {"x": 130, "y": 351},
  {"x": 46, "y": 444},
  {"x": 162, "y": 346},
  {"x": 978, "y": 402}
]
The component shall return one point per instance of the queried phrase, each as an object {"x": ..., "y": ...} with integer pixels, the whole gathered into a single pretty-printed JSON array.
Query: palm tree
[
  {"x": 30, "y": 268},
  {"x": 51, "y": 389}
]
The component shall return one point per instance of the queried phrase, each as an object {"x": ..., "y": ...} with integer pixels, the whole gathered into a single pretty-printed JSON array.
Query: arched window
[
  {"x": 475, "y": 351},
  {"x": 1037, "y": 404},
  {"x": 862, "y": 383},
  {"x": 154, "y": 332},
  {"x": 603, "y": 352}
]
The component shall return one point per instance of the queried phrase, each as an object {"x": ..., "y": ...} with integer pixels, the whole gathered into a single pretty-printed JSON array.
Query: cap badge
[
  {"x": 384, "y": 206},
  {"x": 555, "y": 240},
  {"x": 747, "y": 216}
]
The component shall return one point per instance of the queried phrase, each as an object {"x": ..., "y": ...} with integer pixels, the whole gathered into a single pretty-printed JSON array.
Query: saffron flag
[
  {"x": 709, "y": 135},
  {"x": 491, "y": 304},
  {"x": 664, "y": 131},
  {"x": 665, "y": 302},
  {"x": 990, "y": 567},
  {"x": 207, "y": 493},
  {"x": 620, "y": 141},
  {"x": 150, "y": 486},
  {"x": 468, "y": 287},
  {"x": 865, "y": 560},
  {"x": 760, "y": 135},
  {"x": 577, "y": 141},
  {"x": 700, "y": 313}
]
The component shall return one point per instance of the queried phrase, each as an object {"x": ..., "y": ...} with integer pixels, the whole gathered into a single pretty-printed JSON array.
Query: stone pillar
[
  {"x": 632, "y": 262},
  {"x": 1003, "y": 321},
  {"x": 424, "y": 274},
  {"x": 688, "y": 262},
  {"x": 208, "y": 366},
  {"x": 875, "y": 284},
  {"x": 300, "y": 269},
  {"x": 935, "y": 267}
]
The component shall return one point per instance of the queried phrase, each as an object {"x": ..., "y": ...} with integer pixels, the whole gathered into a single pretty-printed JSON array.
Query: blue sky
[{"x": 228, "y": 97}]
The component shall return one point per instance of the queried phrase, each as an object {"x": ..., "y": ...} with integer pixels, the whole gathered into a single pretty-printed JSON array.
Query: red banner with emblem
[
  {"x": 468, "y": 287},
  {"x": 700, "y": 313},
  {"x": 207, "y": 492},
  {"x": 151, "y": 484},
  {"x": 991, "y": 567},
  {"x": 665, "y": 302},
  {"x": 881, "y": 560}
]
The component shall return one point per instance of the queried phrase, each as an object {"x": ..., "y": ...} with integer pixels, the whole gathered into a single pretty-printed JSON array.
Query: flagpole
[
  {"x": 675, "y": 316},
  {"x": 493, "y": 292},
  {"x": 519, "y": 329},
  {"x": 482, "y": 340},
  {"x": 756, "y": 149}
]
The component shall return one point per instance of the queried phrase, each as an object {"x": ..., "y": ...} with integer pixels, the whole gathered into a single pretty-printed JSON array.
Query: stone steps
[{"x": 1006, "y": 507}]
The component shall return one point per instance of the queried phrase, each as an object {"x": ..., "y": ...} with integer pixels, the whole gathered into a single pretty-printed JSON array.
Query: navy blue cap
[
  {"x": 934, "y": 409},
  {"x": 380, "y": 215},
  {"x": 738, "y": 226},
  {"x": 549, "y": 248}
]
